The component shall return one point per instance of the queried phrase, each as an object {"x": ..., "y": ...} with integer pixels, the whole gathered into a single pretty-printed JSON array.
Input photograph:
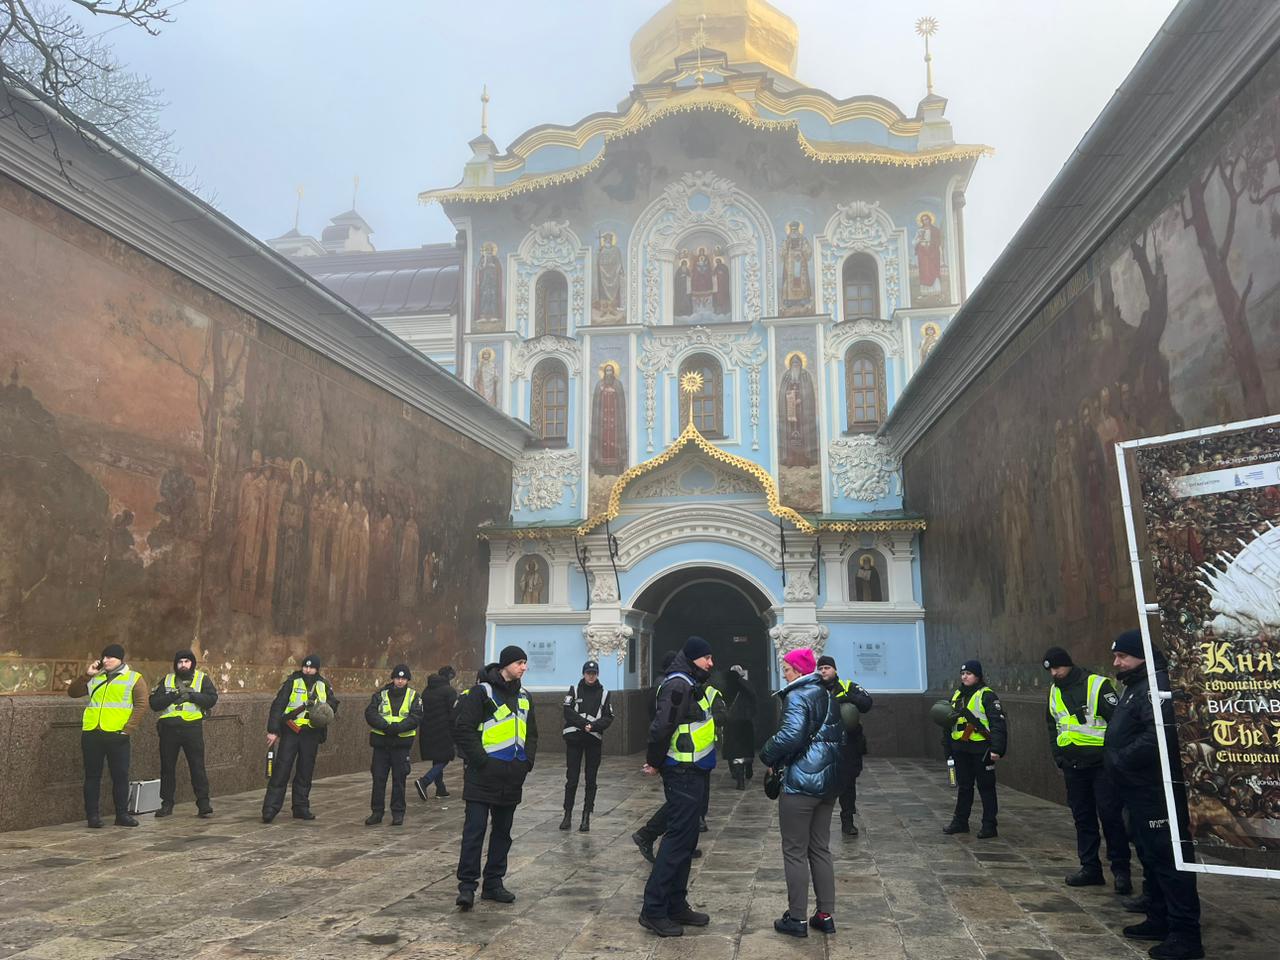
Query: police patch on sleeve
[{"x": 1111, "y": 698}]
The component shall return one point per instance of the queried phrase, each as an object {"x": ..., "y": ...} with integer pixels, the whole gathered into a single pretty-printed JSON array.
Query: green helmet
[
  {"x": 850, "y": 716},
  {"x": 942, "y": 713},
  {"x": 321, "y": 715}
]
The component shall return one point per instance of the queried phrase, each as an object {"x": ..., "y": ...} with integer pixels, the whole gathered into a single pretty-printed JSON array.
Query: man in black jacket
[
  {"x": 1132, "y": 757},
  {"x": 682, "y": 747},
  {"x": 855, "y": 743},
  {"x": 975, "y": 741},
  {"x": 182, "y": 698},
  {"x": 1080, "y": 706},
  {"x": 587, "y": 714},
  {"x": 294, "y": 738},
  {"x": 496, "y": 734},
  {"x": 435, "y": 736},
  {"x": 393, "y": 715}
]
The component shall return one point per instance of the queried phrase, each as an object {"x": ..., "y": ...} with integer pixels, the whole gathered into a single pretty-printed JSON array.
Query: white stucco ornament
[
  {"x": 1244, "y": 589},
  {"x": 526, "y": 354},
  {"x": 607, "y": 639},
  {"x": 797, "y": 636},
  {"x": 861, "y": 467},
  {"x": 539, "y": 480}
]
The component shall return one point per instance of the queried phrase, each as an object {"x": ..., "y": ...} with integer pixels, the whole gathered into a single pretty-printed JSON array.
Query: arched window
[
  {"x": 551, "y": 304},
  {"x": 708, "y": 403},
  {"x": 868, "y": 577},
  {"x": 550, "y": 414},
  {"x": 861, "y": 287},
  {"x": 864, "y": 387}
]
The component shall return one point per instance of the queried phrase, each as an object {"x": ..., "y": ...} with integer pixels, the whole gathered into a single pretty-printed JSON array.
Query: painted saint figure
[
  {"x": 408, "y": 567},
  {"x": 608, "y": 299},
  {"x": 702, "y": 282},
  {"x": 929, "y": 339},
  {"x": 682, "y": 302},
  {"x": 290, "y": 588},
  {"x": 488, "y": 310},
  {"x": 797, "y": 283},
  {"x": 609, "y": 423},
  {"x": 928, "y": 249},
  {"x": 250, "y": 520},
  {"x": 485, "y": 379},
  {"x": 866, "y": 581},
  {"x": 721, "y": 295},
  {"x": 531, "y": 583},
  {"x": 797, "y": 416}
]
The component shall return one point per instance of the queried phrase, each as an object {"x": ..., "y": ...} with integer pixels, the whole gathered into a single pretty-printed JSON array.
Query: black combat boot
[
  {"x": 166, "y": 809},
  {"x": 956, "y": 826},
  {"x": 567, "y": 822},
  {"x": 987, "y": 831},
  {"x": 585, "y": 825},
  {"x": 1086, "y": 877}
]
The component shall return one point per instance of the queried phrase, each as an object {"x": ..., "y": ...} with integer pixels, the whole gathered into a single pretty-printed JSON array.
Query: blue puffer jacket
[{"x": 812, "y": 761}]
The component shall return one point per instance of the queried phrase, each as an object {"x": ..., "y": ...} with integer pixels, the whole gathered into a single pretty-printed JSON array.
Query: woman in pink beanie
[{"x": 802, "y": 661}]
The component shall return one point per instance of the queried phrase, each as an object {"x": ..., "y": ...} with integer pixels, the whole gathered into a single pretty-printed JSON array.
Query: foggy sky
[{"x": 266, "y": 95}]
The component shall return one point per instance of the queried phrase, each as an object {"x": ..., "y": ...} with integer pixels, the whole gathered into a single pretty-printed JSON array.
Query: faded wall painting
[
  {"x": 608, "y": 440},
  {"x": 175, "y": 474},
  {"x": 609, "y": 290},
  {"x": 1173, "y": 324},
  {"x": 795, "y": 292},
  {"x": 703, "y": 289},
  {"x": 532, "y": 579},
  {"x": 485, "y": 376},
  {"x": 799, "y": 468},
  {"x": 930, "y": 283},
  {"x": 487, "y": 306}
]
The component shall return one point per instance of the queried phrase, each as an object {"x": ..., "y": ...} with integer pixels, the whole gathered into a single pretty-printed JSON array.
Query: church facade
[{"x": 705, "y": 303}]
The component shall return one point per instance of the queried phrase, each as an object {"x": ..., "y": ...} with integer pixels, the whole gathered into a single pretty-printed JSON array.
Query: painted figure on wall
[
  {"x": 867, "y": 585},
  {"x": 797, "y": 415},
  {"x": 927, "y": 245},
  {"x": 929, "y": 335},
  {"x": 532, "y": 586},
  {"x": 408, "y": 568},
  {"x": 682, "y": 303},
  {"x": 797, "y": 280},
  {"x": 485, "y": 379},
  {"x": 290, "y": 589},
  {"x": 703, "y": 283},
  {"x": 251, "y": 513},
  {"x": 609, "y": 422},
  {"x": 606, "y": 306},
  {"x": 488, "y": 307}
]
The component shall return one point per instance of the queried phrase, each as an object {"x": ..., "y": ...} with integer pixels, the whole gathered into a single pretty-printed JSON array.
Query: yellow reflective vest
[
  {"x": 504, "y": 733},
  {"x": 694, "y": 741},
  {"x": 110, "y": 701},
  {"x": 384, "y": 709},
  {"x": 298, "y": 697},
  {"x": 187, "y": 711},
  {"x": 1072, "y": 733},
  {"x": 964, "y": 730}
]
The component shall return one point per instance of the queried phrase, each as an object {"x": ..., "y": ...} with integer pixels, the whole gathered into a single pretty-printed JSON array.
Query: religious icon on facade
[
  {"x": 485, "y": 379},
  {"x": 703, "y": 283},
  {"x": 928, "y": 270},
  {"x": 531, "y": 585},
  {"x": 487, "y": 314},
  {"x": 608, "y": 422},
  {"x": 929, "y": 335},
  {"x": 606, "y": 304},
  {"x": 797, "y": 415},
  {"x": 866, "y": 585},
  {"x": 797, "y": 278}
]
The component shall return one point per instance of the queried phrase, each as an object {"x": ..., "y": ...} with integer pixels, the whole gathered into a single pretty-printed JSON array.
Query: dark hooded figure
[
  {"x": 182, "y": 699},
  {"x": 435, "y": 736},
  {"x": 740, "y": 729}
]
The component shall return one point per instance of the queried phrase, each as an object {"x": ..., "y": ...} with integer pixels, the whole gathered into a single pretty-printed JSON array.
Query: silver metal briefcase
[{"x": 144, "y": 796}]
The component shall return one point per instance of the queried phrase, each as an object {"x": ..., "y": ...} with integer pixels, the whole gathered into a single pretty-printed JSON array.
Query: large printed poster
[{"x": 1207, "y": 533}]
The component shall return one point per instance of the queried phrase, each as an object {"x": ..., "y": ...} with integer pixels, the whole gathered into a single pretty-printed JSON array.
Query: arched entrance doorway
[{"x": 726, "y": 609}]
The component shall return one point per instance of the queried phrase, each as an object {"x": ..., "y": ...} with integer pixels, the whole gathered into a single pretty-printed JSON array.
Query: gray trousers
[{"x": 806, "y": 839}]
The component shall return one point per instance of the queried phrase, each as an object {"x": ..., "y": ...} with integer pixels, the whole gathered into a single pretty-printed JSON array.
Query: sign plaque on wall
[{"x": 1202, "y": 510}]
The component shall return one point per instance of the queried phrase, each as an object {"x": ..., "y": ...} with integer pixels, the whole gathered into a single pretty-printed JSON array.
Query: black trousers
[
  {"x": 1174, "y": 900},
  {"x": 113, "y": 748},
  {"x": 577, "y": 748},
  {"x": 290, "y": 748},
  {"x": 667, "y": 890},
  {"x": 1092, "y": 797},
  {"x": 182, "y": 736},
  {"x": 395, "y": 761},
  {"x": 850, "y": 768},
  {"x": 971, "y": 769},
  {"x": 498, "y": 820}
]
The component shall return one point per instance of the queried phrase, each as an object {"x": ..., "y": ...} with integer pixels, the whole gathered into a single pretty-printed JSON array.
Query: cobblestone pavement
[{"x": 232, "y": 887}]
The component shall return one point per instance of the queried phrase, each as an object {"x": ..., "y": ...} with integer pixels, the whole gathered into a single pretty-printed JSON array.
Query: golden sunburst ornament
[
  {"x": 692, "y": 383},
  {"x": 927, "y": 26}
]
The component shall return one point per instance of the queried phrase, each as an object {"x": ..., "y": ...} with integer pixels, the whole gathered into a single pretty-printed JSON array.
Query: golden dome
[{"x": 748, "y": 31}]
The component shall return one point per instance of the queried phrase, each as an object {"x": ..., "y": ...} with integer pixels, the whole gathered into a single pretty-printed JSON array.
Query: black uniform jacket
[
  {"x": 487, "y": 779},
  {"x": 1075, "y": 694},
  {"x": 676, "y": 702},
  {"x": 161, "y": 699},
  {"x": 1130, "y": 751},
  {"x": 376, "y": 721},
  {"x": 581, "y": 702},
  {"x": 276, "y": 718},
  {"x": 997, "y": 740}
]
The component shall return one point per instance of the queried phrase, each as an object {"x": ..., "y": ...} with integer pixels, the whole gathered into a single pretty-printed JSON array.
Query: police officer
[
  {"x": 497, "y": 737},
  {"x": 295, "y": 738},
  {"x": 855, "y": 743},
  {"x": 587, "y": 714},
  {"x": 117, "y": 697},
  {"x": 975, "y": 741},
  {"x": 182, "y": 698},
  {"x": 1132, "y": 757},
  {"x": 682, "y": 746},
  {"x": 394, "y": 714},
  {"x": 1080, "y": 705}
]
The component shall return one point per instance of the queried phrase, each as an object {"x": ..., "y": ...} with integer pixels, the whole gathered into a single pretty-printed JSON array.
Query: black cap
[
  {"x": 510, "y": 655},
  {"x": 312, "y": 660},
  {"x": 591, "y": 667},
  {"x": 1130, "y": 642},
  {"x": 973, "y": 666},
  {"x": 826, "y": 661},
  {"x": 401, "y": 671},
  {"x": 695, "y": 648},
  {"x": 113, "y": 650},
  {"x": 447, "y": 672},
  {"x": 1057, "y": 657}
]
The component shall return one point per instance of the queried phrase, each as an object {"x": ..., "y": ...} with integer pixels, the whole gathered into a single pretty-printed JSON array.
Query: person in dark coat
[
  {"x": 1131, "y": 755},
  {"x": 435, "y": 736},
  {"x": 393, "y": 715},
  {"x": 587, "y": 715},
  {"x": 975, "y": 741},
  {"x": 295, "y": 739},
  {"x": 182, "y": 698},
  {"x": 855, "y": 741},
  {"x": 497, "y": 737},
  {"x": 1080, "y": 706},
  {"x": 740, "y": 725}
]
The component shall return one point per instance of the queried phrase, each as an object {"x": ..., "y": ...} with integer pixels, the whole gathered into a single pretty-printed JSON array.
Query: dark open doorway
[{"x": 729, "y": 612}]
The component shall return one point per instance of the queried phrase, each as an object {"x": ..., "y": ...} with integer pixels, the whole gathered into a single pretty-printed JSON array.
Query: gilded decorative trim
[{"x": 872, "y": 526}]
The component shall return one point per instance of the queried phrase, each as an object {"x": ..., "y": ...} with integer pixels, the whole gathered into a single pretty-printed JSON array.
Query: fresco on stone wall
[
  {"x": 609, "y": 288},
  {"x": 1175, "y": 324},
  {"x": 702, "y": 281},
  {"x": 930, "y": 334},
  {"x": 487, "y": 308},
  {"x": 799, "y": 468},
  {"x": 176, "y": 474},
  {"x": 485, "y": 376},
  {"x": 930, "y": 282},
  {"x": 795, "y": 292},
  {"x": 608, "y": 440}
]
